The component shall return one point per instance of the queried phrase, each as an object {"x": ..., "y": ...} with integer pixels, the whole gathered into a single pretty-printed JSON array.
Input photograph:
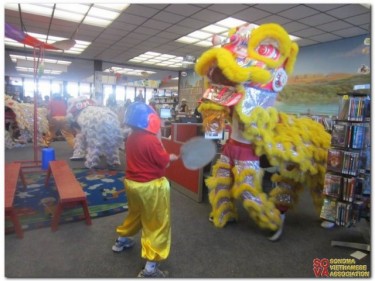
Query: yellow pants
[
  {"x": 149, "y": 210},
  {"x": 60, "y": 123}
]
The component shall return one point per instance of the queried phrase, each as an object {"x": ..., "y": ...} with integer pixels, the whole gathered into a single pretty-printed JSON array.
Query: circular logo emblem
[{"x": 280, "y": 79}]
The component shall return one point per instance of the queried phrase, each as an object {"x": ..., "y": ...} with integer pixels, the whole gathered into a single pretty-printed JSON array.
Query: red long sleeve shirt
[
  {"x": 57, "y": 108},
  {"x": 146, "y": 158}
]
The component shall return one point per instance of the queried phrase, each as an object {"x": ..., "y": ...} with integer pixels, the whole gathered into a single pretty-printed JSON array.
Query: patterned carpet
[{"x": 36, "y": 204}]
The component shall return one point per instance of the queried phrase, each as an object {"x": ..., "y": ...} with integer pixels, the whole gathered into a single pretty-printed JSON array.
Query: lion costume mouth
[{"x": 222, "y": 90}]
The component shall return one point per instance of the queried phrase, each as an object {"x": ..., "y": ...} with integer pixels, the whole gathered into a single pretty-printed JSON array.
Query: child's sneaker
[
  {"x": 122, "y": 243},
  {"x": 157, "y": 273}
]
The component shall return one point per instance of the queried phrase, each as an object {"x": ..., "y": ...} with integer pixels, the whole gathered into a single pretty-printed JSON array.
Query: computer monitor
[
  {"x": 165, "y": 113},
  {"x": 214, "y": 135}
]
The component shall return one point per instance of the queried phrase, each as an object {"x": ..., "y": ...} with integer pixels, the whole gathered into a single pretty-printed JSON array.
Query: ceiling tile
[
  {"x": 350, "y": 32},
  {"x": 138, "y": 36},
  {"x": 156, "y": 6},
  {"x": 151, "y": 44},
  {"x": 348, "y": 11},
  {"x": 227, "y": 9},
  {"x": 202, "y": 5},
  {"x": 365, "y": 27},
  {"x": 167, "y": 48},
  {"x": 168, "y": 17},
  {"x": 298, "y": 12},
  {"x": 123, "y": 26},
  {"x": 125, "y": 42},
  {"x": 193, "y": 23},
  {"x": 208, "y": 16},
  {"x": 305, "y": 42},
  {"x": 112, "y": 32},
  {"x": 317, "y": 19},
  {"x": 324, "y": 7},
  {"x": 360, "y": 19},
  {"x": 332, "y": 26},
  {"x": 132, "y": 19},
  {"x": 146, "y": 31},
  {"x": 325, "y": 37},
  {"x": 178, "y": 29},
  {"x": 159, "y": 40},
  {"x": 142, "y": 10},
  {"x": 274, "y": 19},
  {"x": 308, "y": 33},
  {"x": 274, "y": 8},
  {"x": 183, "y": 9},
  {"x": 169, "y": 35},
  {"x": 109, "y": 37},
  {"x": 155, "y": 24},
  {"x": 294, "y": 26},
  {"x": 251, "y": 15}
]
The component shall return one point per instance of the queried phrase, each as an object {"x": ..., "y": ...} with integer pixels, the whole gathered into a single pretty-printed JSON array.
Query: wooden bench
[
  {"x": 12, "y": 173},
  {"x": 69, "y": 189}
]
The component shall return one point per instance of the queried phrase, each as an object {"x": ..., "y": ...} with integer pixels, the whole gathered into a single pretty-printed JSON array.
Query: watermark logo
[
  {"x": 339, "y": 268},
  {"x": 320, "y": 267}
]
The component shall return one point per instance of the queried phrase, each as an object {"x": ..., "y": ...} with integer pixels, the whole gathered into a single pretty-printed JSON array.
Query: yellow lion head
[{"x": 261, "y": 57}]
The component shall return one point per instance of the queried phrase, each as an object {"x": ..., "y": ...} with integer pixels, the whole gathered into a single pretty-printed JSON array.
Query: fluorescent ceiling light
[
  {"x": 204, "y": 43},
  {"x": 203, "y": 37},
  {"x": 230, "y": 22},
  {"x": 50, "y": 66},
  {"x": 200, "y": 34},
  {"x": 187, "y": 39},
  {"x": 155, "y": 58},
  {"x": 100, "y": 15},
  {"x": 214, "y": 29},
  {"x": 16, "y": 58}
]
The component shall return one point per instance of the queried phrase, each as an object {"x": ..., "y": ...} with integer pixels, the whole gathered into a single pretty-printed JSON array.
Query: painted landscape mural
[{"x": 321, "y": 72}]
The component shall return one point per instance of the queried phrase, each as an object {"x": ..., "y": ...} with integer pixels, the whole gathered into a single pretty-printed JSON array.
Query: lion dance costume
[
  {"x": 98, "y": 132},
  {"x": 243, "y": 77}
]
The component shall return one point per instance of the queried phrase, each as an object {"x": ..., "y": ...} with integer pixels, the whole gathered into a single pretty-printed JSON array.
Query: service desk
[{"x": 189, "y": 182}]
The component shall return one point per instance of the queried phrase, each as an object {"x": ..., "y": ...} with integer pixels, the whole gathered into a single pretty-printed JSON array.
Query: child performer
[{"x": 147, "y": 190}]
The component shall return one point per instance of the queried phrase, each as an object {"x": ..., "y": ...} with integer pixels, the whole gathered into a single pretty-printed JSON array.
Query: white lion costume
[
  {"x": 24, "y": 113},
  {"x": 98, "y": 132}
]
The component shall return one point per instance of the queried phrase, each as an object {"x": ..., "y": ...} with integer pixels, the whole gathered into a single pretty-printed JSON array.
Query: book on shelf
[
  {"x": 365, "y": 159},
  {"x": 367, "y": 109},
  {"x": 339, "y": 135},
  {"x": 343, "y": 213},
  {"x": 348, "y": 189},
  {"x": 332, "y": 185},
  {"x": 335, "y": 160},
  {"x": 358, "y": 136},
  {"x": 343, "y": 108},
  {"x": 329, "y": 209},
  {"x": 350, "y": 162},
  {"x": 354, "y": 108}
]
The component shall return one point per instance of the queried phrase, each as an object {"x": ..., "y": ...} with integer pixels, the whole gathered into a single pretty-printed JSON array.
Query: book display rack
[{"x": 347, "y": 181}]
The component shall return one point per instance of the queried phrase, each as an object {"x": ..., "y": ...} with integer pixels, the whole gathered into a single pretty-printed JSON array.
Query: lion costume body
[
  {"x": 24, "y": 117},
  {"x": 243, "y": 77},
  {"x": 98, "y": 132}
]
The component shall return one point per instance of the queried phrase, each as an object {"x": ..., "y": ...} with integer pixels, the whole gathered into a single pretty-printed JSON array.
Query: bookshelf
[
  {"x": 347, "y": 184},
  {"x": 165, "y": 99}
]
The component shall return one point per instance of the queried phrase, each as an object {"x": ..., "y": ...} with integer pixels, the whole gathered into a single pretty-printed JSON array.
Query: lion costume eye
[{"x": 268, "y": 51}]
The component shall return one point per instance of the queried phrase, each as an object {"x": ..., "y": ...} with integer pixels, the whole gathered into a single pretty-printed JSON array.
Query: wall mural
[
  {"x": 190, "y": 87},
  {"x": 321, "y": 72}
]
